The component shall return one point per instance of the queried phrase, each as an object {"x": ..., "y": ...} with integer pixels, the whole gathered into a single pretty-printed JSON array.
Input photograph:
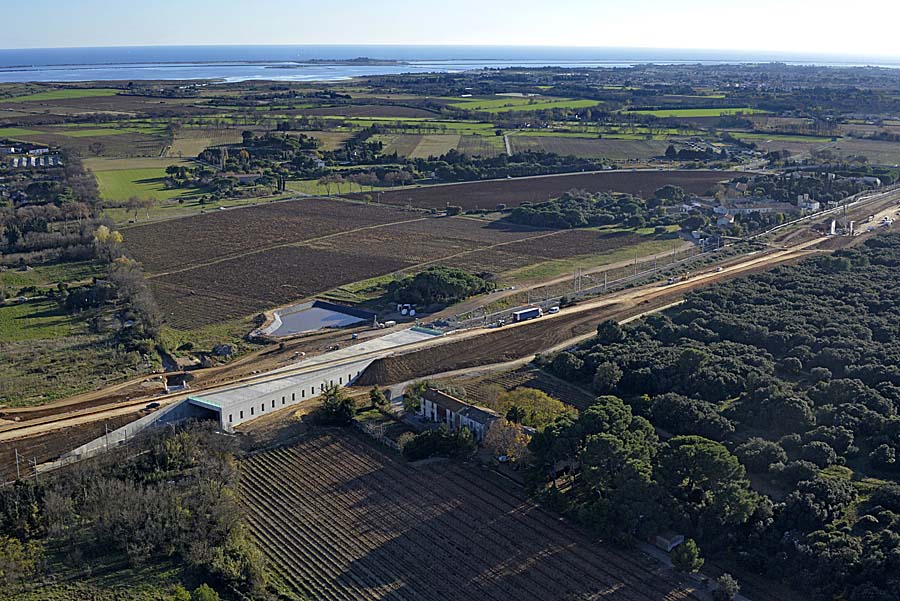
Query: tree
[
  {"x": 606, "y": 377},
  {"x": 515, "y": 414},
  {"x": 179, "y": 593},
  {"x": 412, "y": 396},
  {"x": 758, "y": 454},
  {"x": 136, "y": 204},
  {"x": 438, "y": 285},
  {"x": 686, "y": 557},
  {"x": 818, "y": 452},
  {"x": 506, "y": 438},
  {"x": 884, "y": 457},
  {"x": 682, "y": 415},
  {"x": 727, "y": 588},
  {"x": 533, "y": 407},
  {"x": 609, "y": 332},
  {"x": 337, "y": 409},
  {"x": 377, "y": 397},
  {"x": 566, "y": 366},
  {"x": 669, "y": 193},
  {"x": 13, "y": 234},
  {"x": 97, "y": 148},
  {"x": 204, "y": 592},
  {"x": 671, "y": 153},
  {"x": 441, "y": 443},
  {"x": 706, "y": 484},
  {"x": 18, "y": 560}
]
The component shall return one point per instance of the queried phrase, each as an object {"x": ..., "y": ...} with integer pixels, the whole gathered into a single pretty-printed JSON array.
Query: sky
[{"x": 832, "y": 27}]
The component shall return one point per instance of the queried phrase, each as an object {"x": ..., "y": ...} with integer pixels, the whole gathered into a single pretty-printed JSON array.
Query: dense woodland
[
  {"x": 169, "y": 497},
  {"x": 788, "y": 379},
  {"x": 438, "y": 286},
  {"x": 578, "y": 208}
]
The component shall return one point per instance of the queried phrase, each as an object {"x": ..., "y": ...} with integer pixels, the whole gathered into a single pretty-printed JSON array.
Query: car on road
[
  {"x": 152, "y": 406},
  {"x": 553, "y": 310}
]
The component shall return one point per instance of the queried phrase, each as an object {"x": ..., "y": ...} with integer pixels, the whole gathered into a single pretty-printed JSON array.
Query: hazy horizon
[{"x": 786, "y": 26}]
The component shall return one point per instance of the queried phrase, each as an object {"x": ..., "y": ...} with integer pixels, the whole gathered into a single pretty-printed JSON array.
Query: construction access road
[
  {"x": 469, "y": 348},
  {"x": 458, "y": 350}
]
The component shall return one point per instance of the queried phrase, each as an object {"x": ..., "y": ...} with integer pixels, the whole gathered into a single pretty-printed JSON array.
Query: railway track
[{"x": 652, "y": 294}]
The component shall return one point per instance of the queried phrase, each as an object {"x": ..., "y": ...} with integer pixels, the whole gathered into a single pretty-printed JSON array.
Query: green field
[
  {"x": 514, "y": 103},
  {"x": 106, "y": 131},
  {"x": 50, "y": 275},
  {"x": 33, "y": 321},
  {"x": 67, "y": 94},
  {"x": 122, "y": 184},
  {"x": 17, "y": 133},
  {"x": 120, "y": 179},
  {"x": 710, "y": 112}
]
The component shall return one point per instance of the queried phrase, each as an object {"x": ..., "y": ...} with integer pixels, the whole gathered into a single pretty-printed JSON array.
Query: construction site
[{"x": 296, "y": 371}]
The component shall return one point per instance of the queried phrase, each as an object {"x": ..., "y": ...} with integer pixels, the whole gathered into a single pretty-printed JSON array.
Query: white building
[
  {"x": 241, "y": 404},
  {"x": 725, "y": 220},
  {"x": 440, "y": 407}
]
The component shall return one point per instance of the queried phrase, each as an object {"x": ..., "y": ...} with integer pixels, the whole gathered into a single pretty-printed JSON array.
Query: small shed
[{"x": 668, "y": 541}]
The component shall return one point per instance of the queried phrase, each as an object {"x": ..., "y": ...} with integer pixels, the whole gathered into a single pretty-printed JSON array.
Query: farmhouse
[
  {"x": 441, "y": 407},
  {"x": 725, "y": 220}
]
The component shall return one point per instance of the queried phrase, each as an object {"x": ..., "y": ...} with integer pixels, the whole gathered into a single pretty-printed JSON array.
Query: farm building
[
  {"x": 34, "y": 161},
  {"x": 442, "y": 408},
  {"x": 725, "y": 220}
]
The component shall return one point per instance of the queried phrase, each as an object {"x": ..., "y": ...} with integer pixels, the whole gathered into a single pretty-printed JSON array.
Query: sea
[{"x": 299, "y": 63}]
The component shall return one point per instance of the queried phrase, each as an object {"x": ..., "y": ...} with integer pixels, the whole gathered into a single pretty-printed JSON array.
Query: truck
[{"x": 526, "y": 314}]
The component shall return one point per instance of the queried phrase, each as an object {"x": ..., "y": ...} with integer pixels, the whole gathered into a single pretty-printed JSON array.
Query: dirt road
[
  {"x": 486, "y": 346},
  {"x": 462, "y": 350}
]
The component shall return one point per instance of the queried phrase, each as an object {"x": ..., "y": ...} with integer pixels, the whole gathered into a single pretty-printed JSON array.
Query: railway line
[{"x": 568, "y": 327}]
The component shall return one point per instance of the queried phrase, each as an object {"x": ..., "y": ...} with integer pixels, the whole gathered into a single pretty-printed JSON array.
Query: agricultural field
[
  {"x": 878, "y": 152},
  {"x": 181, "y": 244},
  {"x": 249, "y": 260},
  {"x": 522, "y": 104},
  {"x": 330, "y": 140},
  {"x": 423, "y": 146},
  {"x": 121, "y": 179},
  {"x": 47, "y": 276},
  {"x": 18, "y": 133},
  {"x": 416, "y": 146},
  {"x": 481, "y": 146},
  {"x": 592, "y": 148},
  {"x": 34, "y": 320},
  {"x": 513, "y": 192},
  {"x": 113, "y": 141},
  {"x": 341, "y": 520},
  {"x": 372, "y": 110},
  {"x": 190, "y": 142},
  {"x": 49, "y": 355},
  {"x": 693, "y": 113},
  {"x": 65, "y": 94},
  {"x": 754, "y": 136}
]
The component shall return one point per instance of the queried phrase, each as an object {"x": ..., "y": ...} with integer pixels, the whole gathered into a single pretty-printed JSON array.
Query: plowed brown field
[
  {"x": 340, "y": 520},
  {"x": 513, "y": 192}
]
